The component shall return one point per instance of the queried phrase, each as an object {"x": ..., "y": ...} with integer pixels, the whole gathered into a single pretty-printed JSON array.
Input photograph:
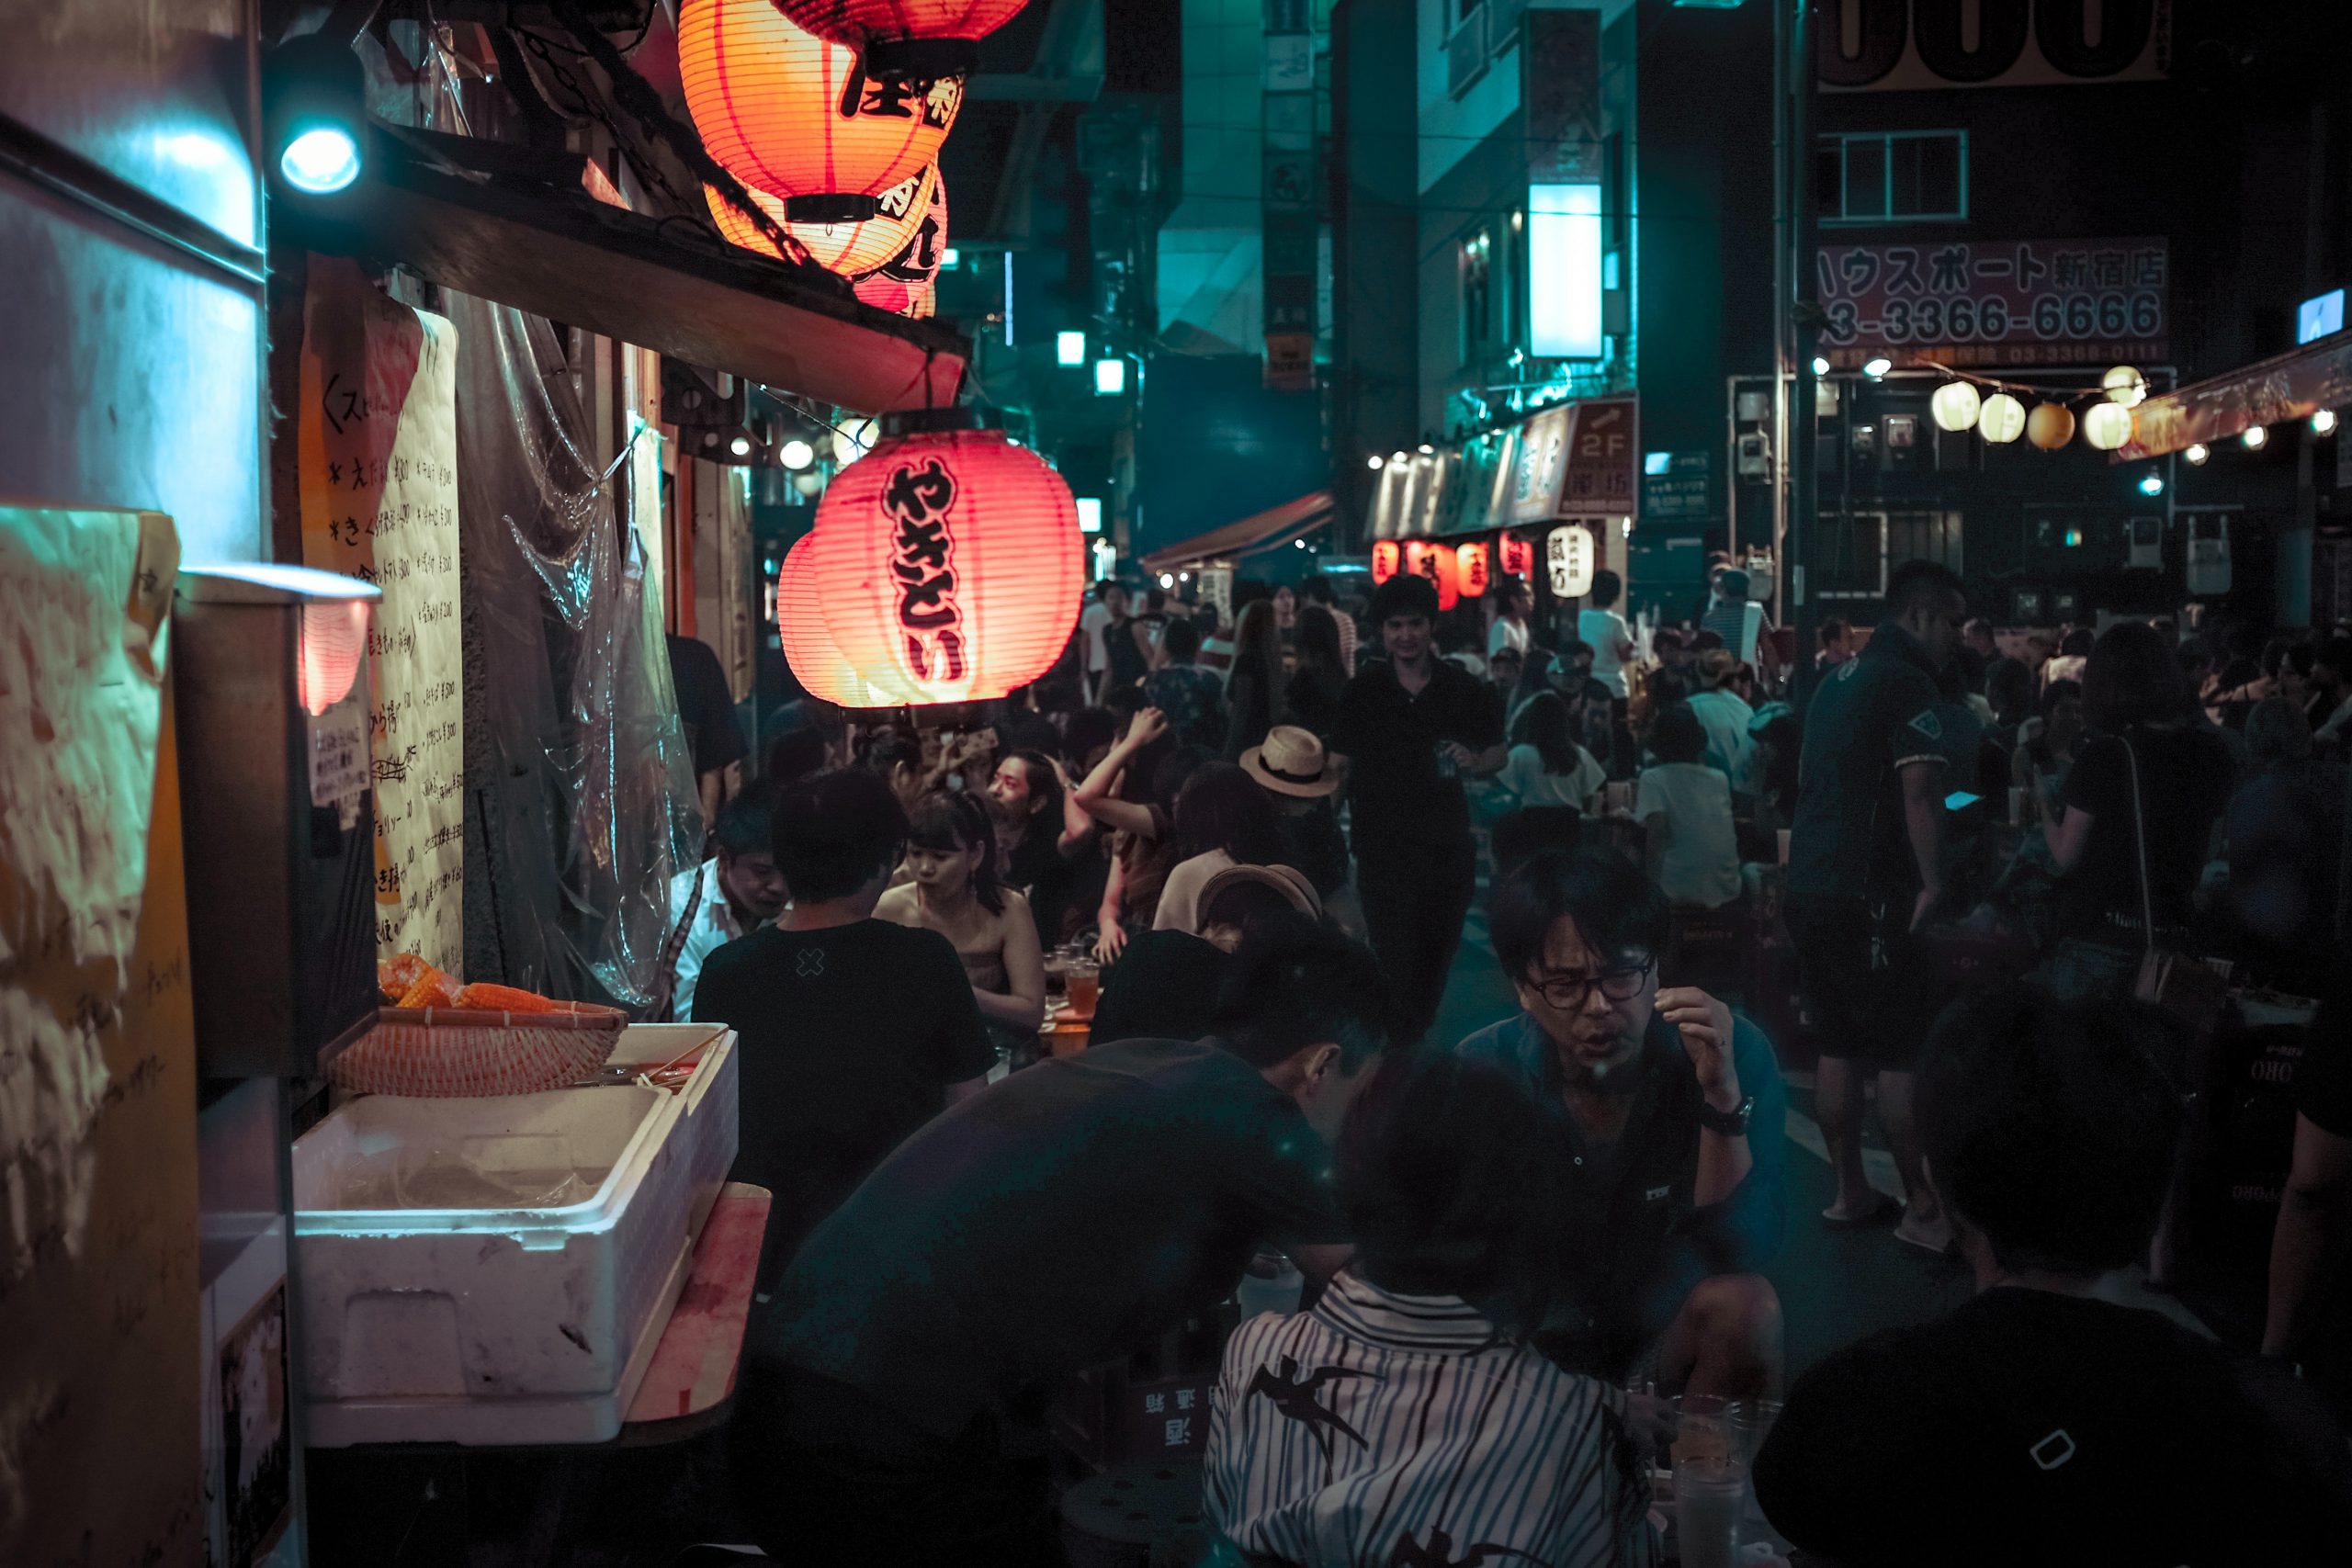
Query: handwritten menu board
[
  {"x": 99, "y": 1360},
  {"x": 378, "y": 460}
]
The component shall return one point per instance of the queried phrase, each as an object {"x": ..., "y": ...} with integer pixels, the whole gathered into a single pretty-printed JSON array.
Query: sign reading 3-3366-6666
[{"x": 1978, "y": 302}]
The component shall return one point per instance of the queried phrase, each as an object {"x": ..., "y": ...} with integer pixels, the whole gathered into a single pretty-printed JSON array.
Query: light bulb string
[{"x": 2041, "y": 394}]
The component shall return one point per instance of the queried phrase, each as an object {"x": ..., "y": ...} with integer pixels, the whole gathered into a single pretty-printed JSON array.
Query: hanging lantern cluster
[
  {"x": 945, "y": 566},
  {"x": 1384, "y": 553},
  {"x": 832, "y": 113},
  {"x": 2105, "y": 423}
]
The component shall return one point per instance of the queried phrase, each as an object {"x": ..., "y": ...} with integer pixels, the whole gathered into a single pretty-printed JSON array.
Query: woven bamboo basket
[{"x": 452, "y": 1053}]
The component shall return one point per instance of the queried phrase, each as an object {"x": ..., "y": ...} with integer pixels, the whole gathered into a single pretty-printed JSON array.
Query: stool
[{"x": 1141, "y": 1516}]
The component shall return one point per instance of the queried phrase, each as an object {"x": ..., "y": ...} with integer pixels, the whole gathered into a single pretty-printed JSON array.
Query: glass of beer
[
  {"x": 1083, "y": 983},
  {"x": 1710, "y": 1494}
]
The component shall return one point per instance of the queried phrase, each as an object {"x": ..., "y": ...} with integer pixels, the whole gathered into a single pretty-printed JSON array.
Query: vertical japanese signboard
[
  {"x": 1289, "y": 201},
  {"x": 1993, "y": 303},
  {"x": 379, "y": 445}
]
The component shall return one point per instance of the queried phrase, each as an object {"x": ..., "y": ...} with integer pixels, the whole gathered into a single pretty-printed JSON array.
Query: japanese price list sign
[
  {"x": 379, "y": 448},
  {"x": 2017, "y": 303}
]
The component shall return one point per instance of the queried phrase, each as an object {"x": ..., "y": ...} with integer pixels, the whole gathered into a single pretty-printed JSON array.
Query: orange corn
[
  {"x": 505, "y": 999},
  {"x": 395, "y": 976},
  {"x": 431, "y": 989}
]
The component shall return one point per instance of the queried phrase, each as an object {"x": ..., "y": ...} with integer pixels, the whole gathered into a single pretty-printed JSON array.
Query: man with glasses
[{"x": 1672, "y": 1111}]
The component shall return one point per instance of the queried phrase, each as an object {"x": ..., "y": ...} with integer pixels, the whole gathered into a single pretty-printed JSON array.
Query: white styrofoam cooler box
[{"x": 495, "y": 1270}]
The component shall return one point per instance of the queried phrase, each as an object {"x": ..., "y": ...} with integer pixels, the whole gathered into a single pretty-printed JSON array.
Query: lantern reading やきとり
[
  {"x": 949, "y": 561},
  {"x": 1470, "y": 561},
  {"x": 1384, "y": 560},
  {"x": 799, "y": 117},
  {"x": 1568, "y": 553}
]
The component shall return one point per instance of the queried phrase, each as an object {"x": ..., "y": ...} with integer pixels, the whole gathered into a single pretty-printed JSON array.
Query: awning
[
  {"x": 1267, "y": 530},
  {"x": 514, "y": 226},
  {"x": 2294, "y": 385}
]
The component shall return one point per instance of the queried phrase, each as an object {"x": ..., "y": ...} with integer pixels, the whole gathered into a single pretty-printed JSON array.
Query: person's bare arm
[
  {"x": 2308, "y": 1215},
  {"x": 1322, "y": 1261},
  {"x": 1480, "y": 763},
  {"x": 1077, "y": 828},
  {"x": 1922, "y": 823},
  {"x": 1112, "y": 938},
  {"x": 1022, "y": 1004},
  {"x": 711, "y": 785},
  {"x": 2067, "y": 831},
  {"x": 1098, "y": 798}
]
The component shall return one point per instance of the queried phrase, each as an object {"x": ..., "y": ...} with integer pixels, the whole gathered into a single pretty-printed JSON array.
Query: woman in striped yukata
[{"x": 1406, "y": 1421}]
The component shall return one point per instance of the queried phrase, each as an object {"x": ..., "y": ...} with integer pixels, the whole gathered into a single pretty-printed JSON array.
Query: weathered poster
[{"x": 379, "y": 445}]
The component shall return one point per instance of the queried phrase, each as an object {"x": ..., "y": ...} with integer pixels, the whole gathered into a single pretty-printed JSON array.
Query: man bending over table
[
  {"x": 1672, "y": 1112},
  {"x": 892, "y": 1405}
]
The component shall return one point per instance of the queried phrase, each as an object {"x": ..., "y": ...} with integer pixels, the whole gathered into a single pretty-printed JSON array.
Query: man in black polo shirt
[
  {"x": 1411, "y": 730},
  {"x": 1671, "y": 1111},
  {"x": 893, "y": 1403},
  {"x": 1865, "y": 873}
]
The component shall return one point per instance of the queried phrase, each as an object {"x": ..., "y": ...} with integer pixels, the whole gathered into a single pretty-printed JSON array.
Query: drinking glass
[
  {"x": 1708, "y": 1497},
  {"x": 1083, "y": 984}
]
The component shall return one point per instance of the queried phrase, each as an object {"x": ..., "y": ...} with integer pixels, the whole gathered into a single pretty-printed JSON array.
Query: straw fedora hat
[
  {"x": 1288, "y": 881},
  {"x": 1292, "y": 762}
]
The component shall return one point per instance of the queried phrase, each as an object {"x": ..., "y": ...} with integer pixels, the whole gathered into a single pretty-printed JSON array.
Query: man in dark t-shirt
[
  {"x": 1411, "y": 730},
  {"x": 850, "y": 1032},
  {"x": 2040, "y": 1425},
  {"x": 893, "y": 1403},
  {"x": 707, "y": 713}
]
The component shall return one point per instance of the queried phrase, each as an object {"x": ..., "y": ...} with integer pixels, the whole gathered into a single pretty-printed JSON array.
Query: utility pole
[{"x": 1799, "y": 320}]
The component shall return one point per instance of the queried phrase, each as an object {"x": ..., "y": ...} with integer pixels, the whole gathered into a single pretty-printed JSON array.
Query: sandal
[{"x": 1884, "y": 1212}]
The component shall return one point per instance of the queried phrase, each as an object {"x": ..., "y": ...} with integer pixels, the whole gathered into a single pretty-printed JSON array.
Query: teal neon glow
[
  {"x": 1564, "y": 270},
  {"x": 322, "y": 161}
]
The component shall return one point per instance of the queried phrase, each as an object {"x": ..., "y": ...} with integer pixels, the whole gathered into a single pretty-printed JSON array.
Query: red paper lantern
[
  {"x": 906, "y": 285},
  {"x": 906, "y": 37},
  {"x": 1518, "y": 557},
  {"x": 949, "y": 561},
  {"x": 1471, "y": 562},
  {"x": 817, "y": 663},
  {"x": 799, "y": 117},
  {"x": 848, "y": 248},
  {"x": 1384, "y": 560},
  {"x": 1437, "y": 563}
]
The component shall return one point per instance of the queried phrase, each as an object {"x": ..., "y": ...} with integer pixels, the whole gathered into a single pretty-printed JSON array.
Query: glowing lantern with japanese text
[
  {"x": 949, "y": 561},
  {"x": 817, "y": 663},
  {"x": 1568, "y": 555},
  {"x": 848, "y": 248},
  {"x": 1518, "y": 557},
  {"x": 906, "y": 285},
  {"x": 1470, "y": 562},
  {"x": 1383, "y": 560},
  {"x": 2106, "y": 425},
  {"x": 906, "y": 38},
  {"x": 1408, "y": 557},
  {"x": 1436, "y": 562},
  {"x": 799, "y": 117}
]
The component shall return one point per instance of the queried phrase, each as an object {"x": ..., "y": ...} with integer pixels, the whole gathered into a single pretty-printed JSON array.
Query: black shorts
[{"x": 1868, "y": 984}]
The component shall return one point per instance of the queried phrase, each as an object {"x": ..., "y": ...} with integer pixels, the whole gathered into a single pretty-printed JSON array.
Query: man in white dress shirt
[{"x": 733, "y": 892}]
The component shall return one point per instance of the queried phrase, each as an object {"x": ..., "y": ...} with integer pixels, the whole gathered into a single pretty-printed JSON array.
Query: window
[
  {"x": 1894, "y": 176},
  {"x": 1477, "y": 266},
  {"x": 1854, "y": 551}
]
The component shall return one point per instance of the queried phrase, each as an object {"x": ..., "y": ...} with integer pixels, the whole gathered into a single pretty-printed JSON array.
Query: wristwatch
[{"x": 1730, "y": 1124}]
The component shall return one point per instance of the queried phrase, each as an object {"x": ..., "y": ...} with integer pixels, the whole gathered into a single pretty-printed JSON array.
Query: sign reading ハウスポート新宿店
[{"x": 1996, "y": 302}]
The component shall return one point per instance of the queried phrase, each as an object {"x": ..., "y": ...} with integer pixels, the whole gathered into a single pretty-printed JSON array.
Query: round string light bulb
[
  {"x": 2106, "y": 426},
  {"x": 2197, "y": 452},
  {"x": 1955, "y": 406},
  {"x": 2124, "y": 385},
  {"x": 2050, "y": 427},
  {"x": 2002, "y": 418},
  {"x": 2256, "y": 437},
  {"x": 799, "y": 117},
  {"x": 2323, "y": 422}
]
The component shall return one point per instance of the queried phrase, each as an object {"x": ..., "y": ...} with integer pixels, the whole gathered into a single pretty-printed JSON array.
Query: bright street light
[
  {"x": 1069, "y": 348},
  {"x": 1820, "y": 366},
  {"x": 1877, "y": 366},
  {"x": 798, "y": 454},
  {"x": 1110, "y": 376}
]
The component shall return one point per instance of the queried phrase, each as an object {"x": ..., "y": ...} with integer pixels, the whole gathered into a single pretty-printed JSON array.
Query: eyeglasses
[{"x": 1568, "y": 992}]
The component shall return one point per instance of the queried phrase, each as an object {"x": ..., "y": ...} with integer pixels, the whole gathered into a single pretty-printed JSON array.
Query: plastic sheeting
[{"x": 581, "y": 798}]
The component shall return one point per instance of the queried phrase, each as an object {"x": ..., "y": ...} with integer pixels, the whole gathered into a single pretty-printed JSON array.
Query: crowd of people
[{"x": 1522, "y": 1243}]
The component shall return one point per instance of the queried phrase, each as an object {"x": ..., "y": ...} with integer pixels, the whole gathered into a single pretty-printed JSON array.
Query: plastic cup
[
  {"x": 1083, "y": 983},
  {"x": 1709, "y": 1494}
]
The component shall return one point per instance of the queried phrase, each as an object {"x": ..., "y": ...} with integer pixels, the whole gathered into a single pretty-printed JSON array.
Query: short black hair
[
  {"x": 1180, "y": 639},
  {"x": 1917, "y": 582},
  {"x": 1617, "y": 910},
  {"x": 1706, "y": 637},
  {"x": 2057, "y": 692},
  {"x": 1317, "y": 588},
  {"x": 1220, "y": 807},
  {"x": 746, "y": 824},
  {"x": 893, "y": 752},
  {"x": 2049, "y": 1125},
  {"x": 1571, "y": 648},
  {"x": 1519, "y": 836},
  {"x": 1834, "y": 629},
  {"x": 949, "y": 822},
  {"x": 797, "y": 754},
  {"x": 1087, "y": 728},
  {"x": 835, "y": 832},
  {"x": 1406, "y": 593},
  {"x": 1296, "y": 983},
  {"x": 1606, "y": 587},
  {"x": 2133, "y": 677},
  {"x": 1448, "y": 1170},
  {"x": 1241, "y": 904},
  {"x": 1677, "y": 736}
]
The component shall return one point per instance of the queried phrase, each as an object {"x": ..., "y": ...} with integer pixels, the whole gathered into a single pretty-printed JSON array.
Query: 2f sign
[
  {"x": 1568, "y": 555},
  {"x": 1863, "y": 46}
]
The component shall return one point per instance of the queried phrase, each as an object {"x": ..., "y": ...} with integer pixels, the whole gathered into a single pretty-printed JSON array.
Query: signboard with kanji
[
  {"x": 1603, "y": 462},
  {"x": 2021, "y": 302}
]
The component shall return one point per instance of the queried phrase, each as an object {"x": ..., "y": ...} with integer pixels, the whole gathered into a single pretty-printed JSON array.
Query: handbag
[{"x": 2180, "y": 983}]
